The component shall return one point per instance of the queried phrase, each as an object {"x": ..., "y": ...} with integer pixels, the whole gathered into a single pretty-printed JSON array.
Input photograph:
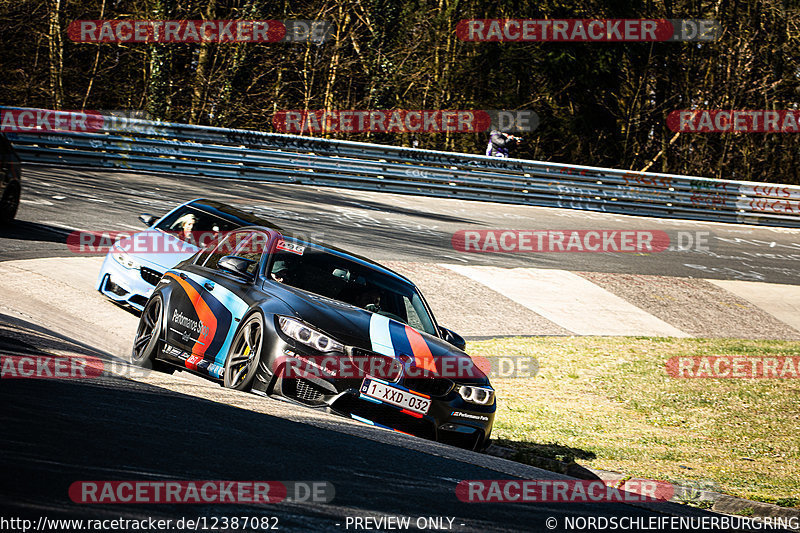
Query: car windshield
[
  {"x": 194, "y": 225},
  {"x": 351, "y": 282}
]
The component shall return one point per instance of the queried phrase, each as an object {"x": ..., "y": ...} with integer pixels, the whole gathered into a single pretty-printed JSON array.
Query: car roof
[
  {"x": 337, "y": 252},
  {"x": 227, "y": 212}
]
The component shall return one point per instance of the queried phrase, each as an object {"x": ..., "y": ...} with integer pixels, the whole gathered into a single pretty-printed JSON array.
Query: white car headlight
[
  {"x": 124, "y": 259},
  {"x": 478, "y": 395},
  {"x": 308, "y": 336}
]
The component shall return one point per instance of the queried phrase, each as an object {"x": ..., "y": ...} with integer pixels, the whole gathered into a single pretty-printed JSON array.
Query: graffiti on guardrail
[
  {"x": 422, "y": 156},
  {"x": 698, "y": 199},
  {"x": 266, "y": 140},
  {"x": 581, "y": 205},
  {"x": 772, "y": 191},
  {"x": 764, "y": 205},
  {"x": 708, "y": 185},
  {"x": 644, "y": 179},
  {"x": 638, "y": 193}
]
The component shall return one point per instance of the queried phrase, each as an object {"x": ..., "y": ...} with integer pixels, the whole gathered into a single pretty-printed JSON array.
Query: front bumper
[
  {"x": 123, "y": 285},
  {"x": 450, "y": 419}
]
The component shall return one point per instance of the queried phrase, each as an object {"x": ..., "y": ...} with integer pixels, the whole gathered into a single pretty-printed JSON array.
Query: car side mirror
[
  {"x": 453, "y": 338},
  {"x": 236, "y": 265},
  {"x": 147, "y": 220}
]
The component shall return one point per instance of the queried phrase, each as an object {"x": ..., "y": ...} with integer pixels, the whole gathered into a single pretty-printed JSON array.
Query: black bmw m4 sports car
[{"x": 264, "y": 311}]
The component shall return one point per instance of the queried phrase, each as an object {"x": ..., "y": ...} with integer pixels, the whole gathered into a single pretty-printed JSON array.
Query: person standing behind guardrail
[{"x": 501, "y": 144}]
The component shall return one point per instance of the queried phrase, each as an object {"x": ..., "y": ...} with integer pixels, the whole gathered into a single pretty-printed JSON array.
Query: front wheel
[
  {"x": 242, "y": 361},
  {"x": 147, "y": 343}
]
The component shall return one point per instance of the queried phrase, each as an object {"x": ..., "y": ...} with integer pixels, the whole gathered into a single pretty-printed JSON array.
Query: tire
[
  {"x": 147, "y": 343},
  {"x": 9, "y": 203},
  {"x": 244, "y": 354}
]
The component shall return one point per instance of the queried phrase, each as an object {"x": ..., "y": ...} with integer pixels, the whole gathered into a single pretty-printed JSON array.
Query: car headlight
[
  {"x": 478, "y": 395},
  {"x": 124, "y": 259},
  {"x": 308, "y": 336}
]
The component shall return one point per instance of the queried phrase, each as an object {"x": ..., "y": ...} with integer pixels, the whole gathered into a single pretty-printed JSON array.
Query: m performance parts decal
[
  {"x": 194, "y": 325},
  {"x": 391, "y": 338}
]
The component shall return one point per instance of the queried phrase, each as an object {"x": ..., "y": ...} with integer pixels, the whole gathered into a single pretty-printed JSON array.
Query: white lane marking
[
  {"x": 456, "y": 258},
  {"x": 35, "y": 202},
  {"x": 780, "y": 301},
  {"x": 569, "y": 300}
]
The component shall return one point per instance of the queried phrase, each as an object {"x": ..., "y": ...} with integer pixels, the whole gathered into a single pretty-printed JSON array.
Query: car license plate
[{"x": 398, "y": 397}]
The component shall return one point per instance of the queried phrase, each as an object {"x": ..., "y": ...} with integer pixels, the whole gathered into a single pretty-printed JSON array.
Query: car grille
[
  {"x": 150, "y": 276},
  {"x": 114, "y": 288},
  {"x": 307, "y": 391},
  {"x": 387, "y": 368},
  {"x": 430, "y": 386}
]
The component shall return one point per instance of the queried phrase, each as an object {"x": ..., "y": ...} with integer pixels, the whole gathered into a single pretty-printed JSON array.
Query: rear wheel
[
  {"x": 9, "y": 203},
  {"x": 242, "y": 361},
  {"x": 147, "y": 342}
]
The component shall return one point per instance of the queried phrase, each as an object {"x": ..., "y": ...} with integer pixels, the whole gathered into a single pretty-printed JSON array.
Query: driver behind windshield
[
  {"x": 280, "y": 271},
  {"x": 369, "y": 299}
]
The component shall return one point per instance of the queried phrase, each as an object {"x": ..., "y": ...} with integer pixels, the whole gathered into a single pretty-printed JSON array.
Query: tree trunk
[
  {"x": 159, "y": 88},
  {"x": 56, "y": 47},
  {"x": 201, "y": 81}
]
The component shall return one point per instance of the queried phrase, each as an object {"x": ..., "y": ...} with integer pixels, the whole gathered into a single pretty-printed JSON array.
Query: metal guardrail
[{"x": 142, "y": 145}]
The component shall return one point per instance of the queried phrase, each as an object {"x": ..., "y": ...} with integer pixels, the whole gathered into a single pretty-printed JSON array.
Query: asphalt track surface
[
  {"x": 57, "y": 201},
  {"x": 160, "y": 427}
]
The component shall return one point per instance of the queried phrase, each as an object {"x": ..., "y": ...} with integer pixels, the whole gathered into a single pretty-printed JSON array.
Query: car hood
[
  {"x": 364, "y": 329},
  {"x": 155, "y": 249}
]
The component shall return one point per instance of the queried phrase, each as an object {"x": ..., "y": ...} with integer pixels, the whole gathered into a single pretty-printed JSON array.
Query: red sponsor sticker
[
  {"x": 734, "y": 367},
  {"x": 290, "y": 247},
  {"x": 563, "y": 491},
  {"x": 44, "y": 120},
  {"x": 529, "y": 241}
]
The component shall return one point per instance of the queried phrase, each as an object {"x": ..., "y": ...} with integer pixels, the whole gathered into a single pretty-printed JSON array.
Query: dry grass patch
[{"x": 609, "y": 404}]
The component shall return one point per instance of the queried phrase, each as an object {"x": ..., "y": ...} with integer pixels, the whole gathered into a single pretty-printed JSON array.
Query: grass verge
[{"x": 608, "y": 403}]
